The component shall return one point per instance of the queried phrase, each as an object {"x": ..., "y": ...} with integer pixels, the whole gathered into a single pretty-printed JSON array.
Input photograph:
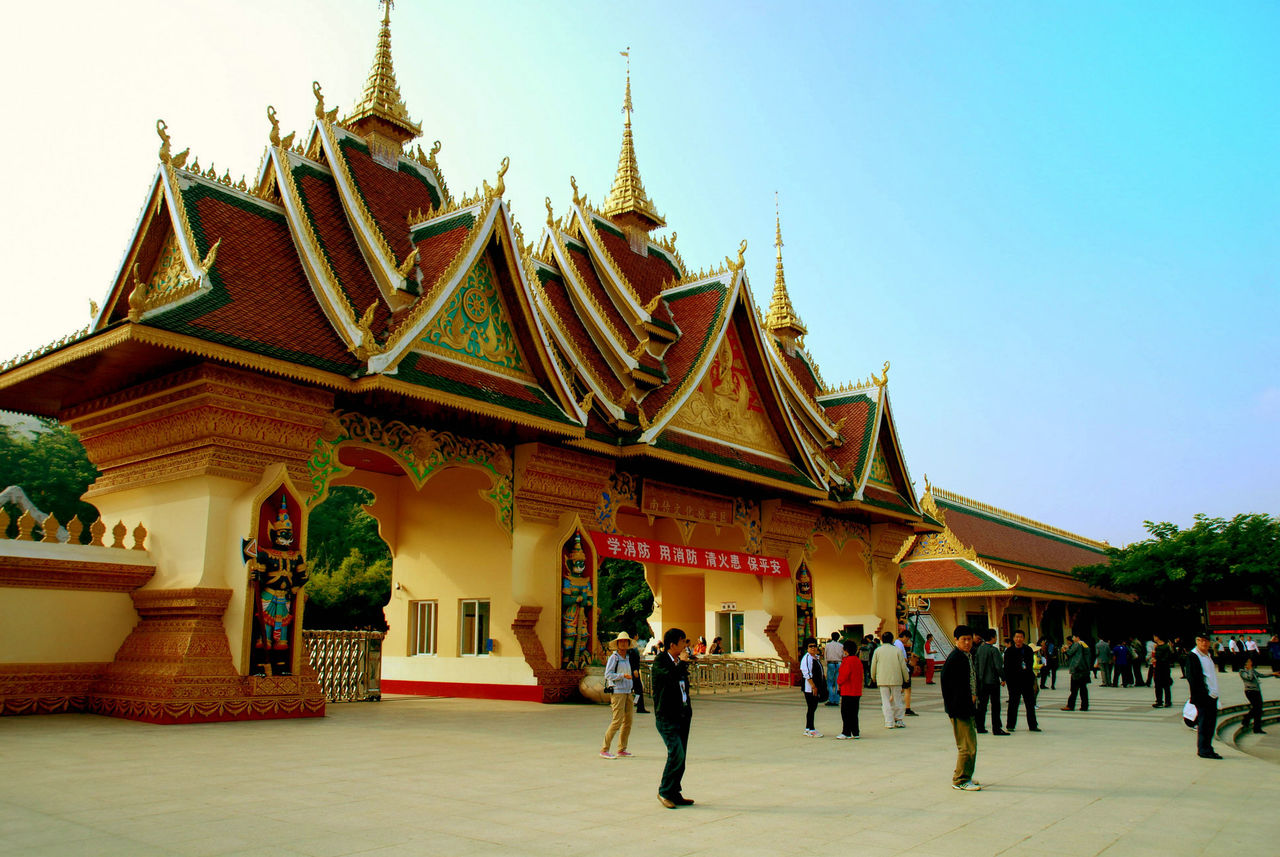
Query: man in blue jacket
[
  {"x": 672, "y": 713},
  {"x": 960, "y": 699}
]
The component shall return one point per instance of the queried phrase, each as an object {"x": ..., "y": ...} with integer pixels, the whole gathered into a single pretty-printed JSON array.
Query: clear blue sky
[{"x": 1059, "y": 222}]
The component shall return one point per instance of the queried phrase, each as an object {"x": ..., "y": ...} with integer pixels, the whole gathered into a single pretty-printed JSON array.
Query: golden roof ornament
[
  {"x": 781, "y": 318},
  {"x": 381, "y": 110},
  {"x": 628, "y": 200}
]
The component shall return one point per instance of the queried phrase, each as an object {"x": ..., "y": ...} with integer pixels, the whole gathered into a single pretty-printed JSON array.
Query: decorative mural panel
[
  {"x": 422, "y": 453},
  {"x": 622, "y": 493},
  {"x": 475, "y": 323},
  {"x": 577, "y": 600},
  {"x": 880, "y": 474},
  {"x": 726, "y": 405},
  {"x": 746, "y": 514},
  {"x": 806, "y": 613}
]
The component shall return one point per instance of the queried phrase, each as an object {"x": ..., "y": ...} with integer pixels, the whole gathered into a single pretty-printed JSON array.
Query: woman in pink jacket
[{"x": 849, "y": 680}]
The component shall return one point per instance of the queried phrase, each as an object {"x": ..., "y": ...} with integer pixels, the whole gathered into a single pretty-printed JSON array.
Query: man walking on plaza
[
  {"x": 833, "y": 653},
  {"x": 672, "y": 713},
  {"x": 1105, "y": 661},
  {"x": 1021, "y": 681},
  {"x": 889, "y": 669},
  {"x": 990, "y": 666},
  {"x": 960, "y": 699},
  {"x": 1202, "y": 680},
  {"x": 1077, "y": 660}
]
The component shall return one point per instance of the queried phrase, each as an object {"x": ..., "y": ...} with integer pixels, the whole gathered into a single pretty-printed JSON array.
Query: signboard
[
  {"x": 687, "y": 504},
  {"x": 1225, "y": 615},
  {"x": 612, "y": 545}
]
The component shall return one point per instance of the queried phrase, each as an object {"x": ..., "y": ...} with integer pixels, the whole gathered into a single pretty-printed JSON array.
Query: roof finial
[
  {"x": 781, "y": 318},
  {"x": 381, "y": 108},
  {"x": 628, "y": 197}
]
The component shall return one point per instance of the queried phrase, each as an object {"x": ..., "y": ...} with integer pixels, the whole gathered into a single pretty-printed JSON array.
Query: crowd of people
[{"x": 975, "y": 676}]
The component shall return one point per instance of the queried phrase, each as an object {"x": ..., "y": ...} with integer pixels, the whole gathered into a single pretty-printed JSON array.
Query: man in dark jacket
[
  {"x": 1202, "y": 681},
  {"x": 1020, "y": 678},
  {"x": 672, "y": 713},
  {"x": 960, "y": 699},
  {"x": 990, "y": 666}
]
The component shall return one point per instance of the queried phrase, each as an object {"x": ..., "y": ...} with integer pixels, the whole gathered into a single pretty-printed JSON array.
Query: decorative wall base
[
  {"x": 175, "y": 667},
  {"x": 47, "y": 688},
  {"x": 459, "y": 690},
  {"x": 557, "y": 685}
]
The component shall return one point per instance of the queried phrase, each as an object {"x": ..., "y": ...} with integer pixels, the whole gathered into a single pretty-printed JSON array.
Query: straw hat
[{"x": 622, "y": 635}]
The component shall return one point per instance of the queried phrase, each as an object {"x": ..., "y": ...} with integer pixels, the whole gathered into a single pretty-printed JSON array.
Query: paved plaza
[{"x": 465, "y": 777}]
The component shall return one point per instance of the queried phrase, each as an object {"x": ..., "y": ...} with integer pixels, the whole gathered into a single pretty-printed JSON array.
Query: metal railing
[
  {"x": 348, "y": 664},
  {"x": 725, "y": 674}
]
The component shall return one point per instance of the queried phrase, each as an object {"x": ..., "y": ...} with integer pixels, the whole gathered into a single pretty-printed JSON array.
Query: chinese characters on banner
[
  {"x": 1225, "y": 615},
  {"x": 613, "y": 546}
]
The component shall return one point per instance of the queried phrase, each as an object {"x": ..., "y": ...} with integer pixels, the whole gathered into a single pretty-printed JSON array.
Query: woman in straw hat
[{"x": 617, "y": 680}]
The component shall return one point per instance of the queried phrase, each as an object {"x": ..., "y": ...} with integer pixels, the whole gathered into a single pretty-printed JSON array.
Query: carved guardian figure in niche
[
  {"x": 806, "y": 621},
  {"x": 277, "y": 573},
  {"x": 577, "y": 606}
]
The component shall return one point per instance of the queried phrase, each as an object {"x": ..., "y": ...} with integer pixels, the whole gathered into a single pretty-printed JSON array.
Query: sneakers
[
  {"x": 605, "y": 754},
  {"x": 812, "y": 733},
  {"x": 898, "y": 724},
  {"x": 969, "y": 786},
  {"x": 622, "y": 753},
  {"x": 844, "y": 737},
  {"x": 888, "y": 726},
  {"x": 911, "y": 713}
]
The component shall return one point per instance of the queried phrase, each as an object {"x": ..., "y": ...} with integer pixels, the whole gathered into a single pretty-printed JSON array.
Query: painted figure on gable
[
  {"x": 806, "y": 622},
  {"x": 276, "y": 573},
  {"x": 577, "y": 605}
]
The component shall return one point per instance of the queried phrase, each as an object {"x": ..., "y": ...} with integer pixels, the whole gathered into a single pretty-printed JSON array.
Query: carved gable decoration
[
  {"x": 727, "y": 406},
  {"x": 880, "y": 474},
  {"x": 475, "y": 323}
]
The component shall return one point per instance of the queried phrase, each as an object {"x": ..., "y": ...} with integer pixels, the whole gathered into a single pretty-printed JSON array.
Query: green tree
[
  {"x": 1177, "y": 571},
  {"x": 53, "y": 469},
  {"x": 350, "y": 564},
  {"x": 624, "y": 598}
]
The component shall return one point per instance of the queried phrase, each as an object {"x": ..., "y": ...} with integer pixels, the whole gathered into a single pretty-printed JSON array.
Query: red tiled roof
[
  {"x": 800, "y": 368},
  {"x": 261, "y": 295},
  {"x": 646, "y": 274},
  {"x": 696, "y": 311},
  {"x": 944, "y": 574},
  {"x": 439, "y": 246},
  {"x": 389, "y": 195},
  {"x": 586, "y": 272},
  {"x": 1043, "y": 582},
  {"x": 427, "y": 370},
  {"x": 1004, "y": 540},
  {"x": 858, "y": 412},
  {"x": 320, "y": 198},
  {"x": 731, "y": 455},
  {"x": 888, "y": 498},
  {"x": 584, "y": 349}
]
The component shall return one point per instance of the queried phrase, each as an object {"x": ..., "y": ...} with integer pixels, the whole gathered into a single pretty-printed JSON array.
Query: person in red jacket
[{"x": 849, "y": 680}]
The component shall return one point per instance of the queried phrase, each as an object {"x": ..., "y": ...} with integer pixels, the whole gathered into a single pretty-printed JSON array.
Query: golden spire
[
  {"x": 781, "y": 318},
  {"x": 628, "y": 199},
  {"x": 382, "y": 110}
]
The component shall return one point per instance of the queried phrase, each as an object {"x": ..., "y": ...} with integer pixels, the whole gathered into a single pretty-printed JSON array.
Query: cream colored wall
[
  {"x": 842, "y": 588},
  {"x": 63, "y": 626},
  {"x": 449, "y": 546},
  {"x": 943, "y": 611}
]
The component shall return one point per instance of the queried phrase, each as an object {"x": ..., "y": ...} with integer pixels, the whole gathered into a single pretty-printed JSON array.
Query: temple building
[
  {"x": 989, "y": 568},
  {"x": 521, "y": 408}
]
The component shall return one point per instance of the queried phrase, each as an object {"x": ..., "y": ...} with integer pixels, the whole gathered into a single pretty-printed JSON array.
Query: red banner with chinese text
[
  {"x": 1235, "y": 614},
  {"x": 615, "y": 546}
]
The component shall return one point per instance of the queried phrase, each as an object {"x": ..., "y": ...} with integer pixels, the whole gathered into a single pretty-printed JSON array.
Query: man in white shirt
[
  {"x": 1202, "y": 680},
  {"x": 833, "y": 653}
]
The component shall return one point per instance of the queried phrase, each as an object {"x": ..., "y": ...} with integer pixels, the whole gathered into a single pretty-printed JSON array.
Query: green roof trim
[
  {"x": 794, "y": 477},
  {"x": 544, "y": 407},
  {"x": 436, "y": 228}
]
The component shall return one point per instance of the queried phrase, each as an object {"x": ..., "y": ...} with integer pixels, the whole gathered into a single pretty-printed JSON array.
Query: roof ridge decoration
[
  {"x": 382, "y": 101},
  {"x": 782, "y": 319},
  {"x": 961, "y": 500},
  {"x": 628, "y": 196}
]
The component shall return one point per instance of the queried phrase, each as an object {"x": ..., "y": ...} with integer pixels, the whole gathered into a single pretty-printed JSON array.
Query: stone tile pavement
[{"x": 465, "y": 777}]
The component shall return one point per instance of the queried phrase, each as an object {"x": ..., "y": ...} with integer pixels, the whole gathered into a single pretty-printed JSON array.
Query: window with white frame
[
  {"x": 474, "y": 627},
  {"x": 422, "y": 627}
]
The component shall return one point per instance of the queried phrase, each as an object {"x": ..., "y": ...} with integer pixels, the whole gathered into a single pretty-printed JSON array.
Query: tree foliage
[
  {"x": 624, "y": 598},
  {"x": 52, "y": 467},
  {"x": 1178, "y": 570},
  {"x": 350, "y": 564}
]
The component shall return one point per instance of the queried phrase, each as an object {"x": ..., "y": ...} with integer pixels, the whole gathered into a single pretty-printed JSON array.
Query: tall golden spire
[
  {"x": 781, "y": 318},
  {"x": 382, "y": 111},
  {"x": 627, "y": 201}
]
